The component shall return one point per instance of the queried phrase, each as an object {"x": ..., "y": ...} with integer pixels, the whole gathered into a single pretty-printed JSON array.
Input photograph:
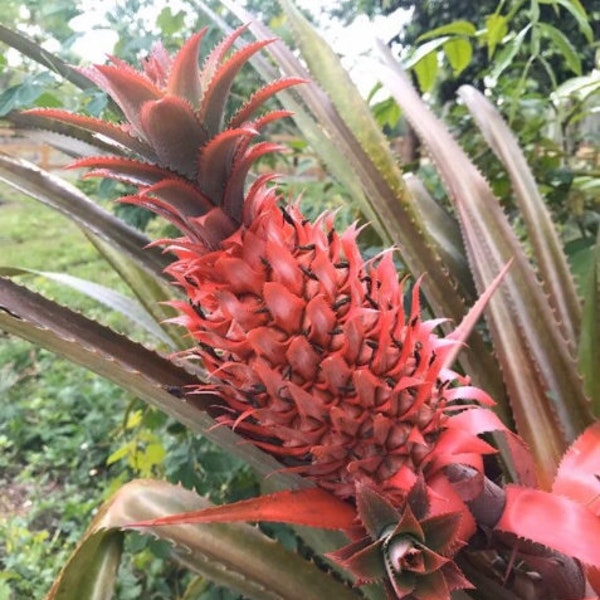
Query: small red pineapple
[{"x": 308, "y": 345}]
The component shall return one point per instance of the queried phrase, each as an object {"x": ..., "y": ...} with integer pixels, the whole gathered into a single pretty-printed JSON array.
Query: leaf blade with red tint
[
  {"x": 554, "y": 521},
  {"x": 311, "y": 507}
]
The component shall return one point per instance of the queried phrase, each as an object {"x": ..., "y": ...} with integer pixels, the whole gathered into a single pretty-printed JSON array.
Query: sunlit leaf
[
  {"x": 423, "y": 51},
  {"x": 529, "y": 512},
  {"x": 575, "y": 7},
  {"x": 578, "y": 474},
  {"x": 547, "y": 246},
  {"x": 426, "y": 71},
  {"x": 169, "y": 22},
  {"x": 496, "y": 29},
  {"x": 459, "y": 52},
  {"x": 507, "y": 53}
]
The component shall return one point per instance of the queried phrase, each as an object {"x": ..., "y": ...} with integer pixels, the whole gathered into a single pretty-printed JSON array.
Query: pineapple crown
[{"x": 188, "y": 163}]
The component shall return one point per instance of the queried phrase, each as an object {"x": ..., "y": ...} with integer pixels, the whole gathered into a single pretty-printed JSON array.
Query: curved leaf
[
  {"x": 46, "y": 59},
  {"x": 548, "y": 401},
  {"x": 68, "y": 200},
  {"x": 459, "y": 52},
  {"x": 234, "y": 555},
  {"x": 548, "y": 250},
  {"x": 578, "y": 476},
  {"x": 589, "y": 343},
  {"x": 106, "y": 296},
  {"x": 152, "y": 292},
  {"x": 528, "y": 514},
  {"x": 311, "y": 507},
  {"x": 458, "y": 27}
]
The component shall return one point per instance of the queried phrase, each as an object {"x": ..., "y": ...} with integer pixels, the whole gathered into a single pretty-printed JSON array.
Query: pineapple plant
[
  {"x": 310, "y": 353},
  {"x": 309, "y": 349}
]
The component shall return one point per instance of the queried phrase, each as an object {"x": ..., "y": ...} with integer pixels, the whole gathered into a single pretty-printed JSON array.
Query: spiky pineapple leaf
[
  {"x": 112, "y": 299},
  {"x": 589, "y": 343},
  {"x": 68, "y": 200},
  {"x": 311, "y": 507},
  {"x": 547, "y": 247},
  {"x": 314, "y": 135},
  {"x": 69, "y": 139},
  {"x": 548, "y": 401},
  {"x": 443, "y": 231},
  {"x": 48, "y": 60},
  {"x": 577, "y": 476},
  {"x": 528, "y": 512},
  {"x": 234, "y": 555}
]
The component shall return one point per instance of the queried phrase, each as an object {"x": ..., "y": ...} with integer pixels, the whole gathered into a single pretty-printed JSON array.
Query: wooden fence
[{"x": 42, "y": 155}]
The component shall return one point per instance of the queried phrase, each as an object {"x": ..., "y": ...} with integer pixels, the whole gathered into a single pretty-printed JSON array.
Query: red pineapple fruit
[{"x": 308, "y": 345}]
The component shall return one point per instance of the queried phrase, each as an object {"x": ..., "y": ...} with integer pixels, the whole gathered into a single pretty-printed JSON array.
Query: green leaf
[
  {"x": 443, "y": 232},
  {"x": 120, "y": 453},
  {"x": 459, "y": 53},
  {"x": 48, "y": 100},
  {"x": 496, "y": 28},
  {"x": 109, "y": 298},
  {"x": 459, "y": 27},
  {"x": 26, "y": 93},
  {"x": 579, "y": 13},
  {"x": 387, "y": 113},
  {"x": 170, "y": 23},
  {"x": 152, "y": 291},
  {"x": 562, "y": 45},
  {"x": 506, "y": 55},
  {"x": 426, "y": 71},
  {"x": 589, "y": 344},
  {"x": 235, "y": 555},
  {"x": 580, "y": 87},
  {"x": 423, "y": 51},
  {"x": 91, "y": 572}
]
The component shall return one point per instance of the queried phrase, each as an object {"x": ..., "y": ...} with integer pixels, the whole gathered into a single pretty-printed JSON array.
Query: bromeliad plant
[{"x": 306, "y": 350}]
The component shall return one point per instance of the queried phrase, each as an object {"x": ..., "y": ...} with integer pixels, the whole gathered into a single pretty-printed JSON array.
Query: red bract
[{"x": 568, "y": 519}]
